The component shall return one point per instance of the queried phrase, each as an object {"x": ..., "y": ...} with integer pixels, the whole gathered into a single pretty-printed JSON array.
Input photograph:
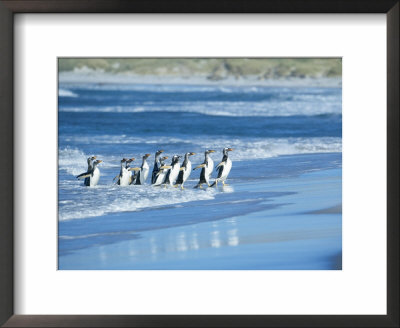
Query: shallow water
[{"x": 287, "y": 144}]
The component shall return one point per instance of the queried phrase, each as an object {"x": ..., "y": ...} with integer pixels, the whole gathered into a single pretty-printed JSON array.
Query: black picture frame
[{"x": 10, "y": 7}]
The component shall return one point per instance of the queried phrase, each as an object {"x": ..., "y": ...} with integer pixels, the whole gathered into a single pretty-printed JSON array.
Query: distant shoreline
[{"x": 101, "y": 77}]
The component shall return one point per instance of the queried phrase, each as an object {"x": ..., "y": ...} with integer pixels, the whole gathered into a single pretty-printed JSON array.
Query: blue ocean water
[{"x": 278, "y": 133}]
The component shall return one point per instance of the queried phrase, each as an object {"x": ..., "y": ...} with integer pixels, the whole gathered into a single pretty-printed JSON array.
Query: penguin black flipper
[
  {"x": 87, "y": 182},
  {"x": 166, "y": 180},
  {"x": 220, "y": 170},
  {"x": 134, "y": 178},
  {"x": 137, "y": 181},
  {"x": 203, "y": 176},
  {"x": 179, "y": 180},
  {"x": 82, "y": 175},
  {"x": 154, "y": 176}
]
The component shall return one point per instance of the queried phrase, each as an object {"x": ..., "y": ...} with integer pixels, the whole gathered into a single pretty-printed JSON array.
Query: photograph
[{"x": 199, "y": 163}]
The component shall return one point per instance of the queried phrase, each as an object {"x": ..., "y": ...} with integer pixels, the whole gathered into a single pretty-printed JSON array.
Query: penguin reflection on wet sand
[
  {"x": 206, "y": 169},
  {"x": 223, "y": 168},
  {"x": 156, "y": 167},
  {"x": 173, "y": 171},
  {"x": 185, "y": 170},
  {"x": 89, "y": 167},
  {"x": 141, "y": 172},
  {"x": 93, "y": 174},
  {"x": 162, "y": 173}
]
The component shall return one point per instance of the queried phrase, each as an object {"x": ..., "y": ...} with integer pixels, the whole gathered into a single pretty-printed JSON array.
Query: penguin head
[
  {"x": 175, "y": 159},
  {"x": 91, "y": 159},
  {"x": 162, "y": 160},
  {"x": 159, "y": 152},
  {"x": 95, "y": 163},
  {"x": 129, "y": 161},
  {"x": 225, "y": 150}
]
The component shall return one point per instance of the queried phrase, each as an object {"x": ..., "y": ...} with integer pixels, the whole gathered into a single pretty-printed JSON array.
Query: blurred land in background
[{"x": 216, "y": 69}]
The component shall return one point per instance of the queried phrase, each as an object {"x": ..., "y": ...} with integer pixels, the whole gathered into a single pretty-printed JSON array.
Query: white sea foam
[
  {"x": 74, "y": 161},
  {"x": 66, "y": 93},
  {"x": 107, "y": 199},
  {"x": 248, "y": 148},
  {"x": 268, "y": 101},
  {"x": 220, "y": 108}
]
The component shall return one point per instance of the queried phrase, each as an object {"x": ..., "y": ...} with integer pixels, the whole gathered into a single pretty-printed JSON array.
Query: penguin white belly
[
  {"x": 160, "y": 178},
  {"x": 125, "y": 178},
  {"x": 187, "y": 172},
  {"x": 226, "y": 170},
  {"x": 209, "y": 168},
  {"x": 144, "y": 173},
  {"x": 174, "y": 174},
  {"x": 94, "y": 179}
]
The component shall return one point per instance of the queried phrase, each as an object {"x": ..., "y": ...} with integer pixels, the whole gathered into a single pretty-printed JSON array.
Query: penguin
[
  {"x": 141, "y": 172},
  {"x": 89, "y": 167},
  {"x": 185, "y": 170},
  {"x": 173, "y": 171},
  {"x": 160, "y": 176},
  {"x": 156, "y": 167},
  {"x": 125, "y": 175},
  {"x": 206, "y": 169},
  {"x": 93, "y": 175},
  {"x": 127, "y": 166},
  {"x": 224, "y": 167}
]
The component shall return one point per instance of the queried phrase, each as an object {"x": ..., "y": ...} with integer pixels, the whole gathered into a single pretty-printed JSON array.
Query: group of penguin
[{"x": 174, "y": 174}]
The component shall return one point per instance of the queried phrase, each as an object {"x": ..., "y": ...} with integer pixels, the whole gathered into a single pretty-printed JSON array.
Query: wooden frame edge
[{"x": 8, "y": 8}]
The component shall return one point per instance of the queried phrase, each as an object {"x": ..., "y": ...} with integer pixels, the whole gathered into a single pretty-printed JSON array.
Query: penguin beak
[
  {"x": 192, "y": 154},
  {"x": 161, "y": 151},
  {"x": 147, "y": 155},
  {"x": 132, "y": 159},
  {"x": 165, "y": 157},
  {"x": 230, "y": 149},
  {"x": 99, "y": 161},
  {"x": 94, "y": 157},
  {"x": 211, "y": 151}
]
